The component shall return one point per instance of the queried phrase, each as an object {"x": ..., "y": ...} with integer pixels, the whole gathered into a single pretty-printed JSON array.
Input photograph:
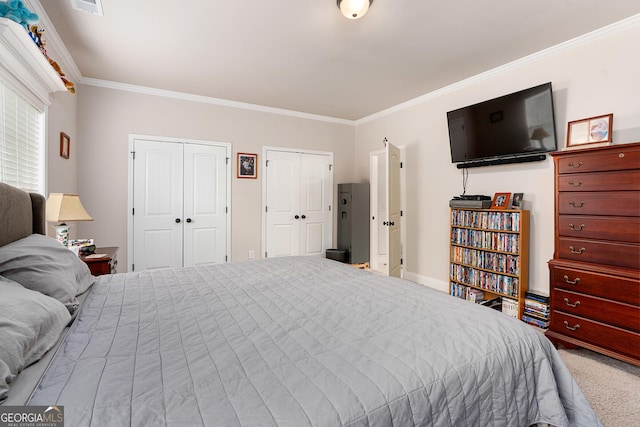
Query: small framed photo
[
  {"x": 65, "y": 145},
  {"x": 594, "y": 130},
  {"x": 247, "y": 165},
  {"x": 500, "y": 201},
  {"x": 517, "y": 201}
]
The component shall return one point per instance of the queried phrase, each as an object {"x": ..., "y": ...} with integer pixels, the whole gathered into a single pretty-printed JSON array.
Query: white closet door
[
  {"x": 283, "y": 204},
  {"x": 157, "y": 197},
  {"x": 179, "y": 201},
  {"x": 298, "y": 196},
  {"x": 205, "y": 217},
  {"x": 315, "y": 198}
]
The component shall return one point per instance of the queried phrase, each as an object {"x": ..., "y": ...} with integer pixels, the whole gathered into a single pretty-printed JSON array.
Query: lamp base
[{"x": 62, "y": 234}]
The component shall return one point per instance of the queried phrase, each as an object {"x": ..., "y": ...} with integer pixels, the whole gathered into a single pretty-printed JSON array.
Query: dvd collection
[
  {"x": 536, "y": 310},
  {"x": 483, "y": 279},
  {"x": 505, "y": 242},
  {"x": 501, "y": 263},
  {"x": 508, "y": 221}
]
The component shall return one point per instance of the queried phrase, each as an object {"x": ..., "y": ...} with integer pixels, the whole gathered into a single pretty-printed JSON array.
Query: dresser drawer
[
  {"x": 613, "y": 338},
  {"x": 600, "y": 181},
  {"x": 617, "y": 203},
  {"x": 620, "y": 289},
  {"x": 609, "y": 159},
  {"x": 622, "y": 229},
  {"x": 599, "y": 309},
  {"x": 625, "y": 255}
]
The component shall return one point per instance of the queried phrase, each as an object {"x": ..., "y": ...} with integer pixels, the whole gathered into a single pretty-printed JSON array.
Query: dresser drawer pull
[
  {"x": 577, "y": 303},
  {"x": 571, "y": 282},
  {"x": 571, "y": 328},
  {"x": 575, "y": 184},
  {"x": 572, "y": 165},
  {"x": 578, "y": 228},
  {"x": 579, "y": 251},
  {"x": 577, "y": 205}
]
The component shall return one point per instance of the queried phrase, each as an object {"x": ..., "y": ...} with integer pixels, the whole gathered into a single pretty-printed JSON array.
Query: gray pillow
[
  {"x": 42, "y": 264},
  {"x": 30, "y": 324}
]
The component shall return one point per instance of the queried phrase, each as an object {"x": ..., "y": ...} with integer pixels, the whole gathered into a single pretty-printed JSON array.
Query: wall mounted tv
[{"x": 514, "y": 128}]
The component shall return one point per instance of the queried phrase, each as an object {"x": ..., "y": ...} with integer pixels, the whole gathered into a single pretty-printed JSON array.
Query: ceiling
[{"x": 304, "y": 56}]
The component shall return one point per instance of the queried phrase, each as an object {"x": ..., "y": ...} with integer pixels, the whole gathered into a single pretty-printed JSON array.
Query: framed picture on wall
[
  {"x": 65, "y": 145},
  {"x": 500, "y": 201},
  {"x": 247, "y": 165}
]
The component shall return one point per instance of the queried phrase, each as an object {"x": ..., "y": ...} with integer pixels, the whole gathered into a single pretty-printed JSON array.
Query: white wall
[
  {"x": 106, "y": 118},
  {"x": 590, "y": 78}
]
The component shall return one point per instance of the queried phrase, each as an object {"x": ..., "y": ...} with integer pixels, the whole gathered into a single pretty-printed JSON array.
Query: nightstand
[{"x": 103, "y": 265}]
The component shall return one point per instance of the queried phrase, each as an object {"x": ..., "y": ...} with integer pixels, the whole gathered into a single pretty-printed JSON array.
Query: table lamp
[
  {"x": 539, "y": 134},
  {"x": 65, "y": 207}
]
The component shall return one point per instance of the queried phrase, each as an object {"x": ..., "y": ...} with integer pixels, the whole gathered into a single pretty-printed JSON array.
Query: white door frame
[
  {"x": 263, "y": 164},
  {"x": 134, "y": 137}
]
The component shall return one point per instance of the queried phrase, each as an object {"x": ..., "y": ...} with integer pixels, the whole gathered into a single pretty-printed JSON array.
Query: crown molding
[
  {"x": 209, "y": 100},
  {"x": 56, "y": 49},
  {"x": 569, "y": 44}
]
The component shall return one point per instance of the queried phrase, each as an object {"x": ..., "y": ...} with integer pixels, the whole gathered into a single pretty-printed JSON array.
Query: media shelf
[{"x": 490, "y": 253}]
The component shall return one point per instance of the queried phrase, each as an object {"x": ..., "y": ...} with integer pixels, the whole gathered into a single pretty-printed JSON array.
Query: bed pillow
[
  {"x": 30, "y": 324},
  {"x": 42, "y": 264}
]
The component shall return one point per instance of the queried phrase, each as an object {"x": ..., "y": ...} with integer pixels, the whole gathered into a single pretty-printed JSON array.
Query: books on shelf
[
  {"x": 464, "y": 292},
  {"x": 536, "y": 310},
  {"x": 510, "y": 307}
]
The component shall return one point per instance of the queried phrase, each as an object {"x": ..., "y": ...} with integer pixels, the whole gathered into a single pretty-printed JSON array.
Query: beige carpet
[{"x": 612, "y": 386}]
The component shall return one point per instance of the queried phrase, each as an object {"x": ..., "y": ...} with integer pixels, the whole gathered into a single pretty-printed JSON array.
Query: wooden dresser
[{"x": 595, "y": 270}]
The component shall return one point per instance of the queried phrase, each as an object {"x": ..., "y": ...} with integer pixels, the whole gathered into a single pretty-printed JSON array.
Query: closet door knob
[
  {"x": 304, "y": 216},
  {"x": 177, "y": 220},
  {"x": 297, "y": 217},
  {"x": 188, "y": 219}
]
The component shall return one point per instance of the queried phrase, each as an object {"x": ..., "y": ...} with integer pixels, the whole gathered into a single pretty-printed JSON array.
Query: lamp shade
[
  {"x": 354, "y": 9},
  {"x": 65, "y": 207},
  {"x": 539, "y": 134}
]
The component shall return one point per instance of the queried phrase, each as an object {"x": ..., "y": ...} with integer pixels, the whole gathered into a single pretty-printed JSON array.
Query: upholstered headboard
[{"x": 21, "y": 214}]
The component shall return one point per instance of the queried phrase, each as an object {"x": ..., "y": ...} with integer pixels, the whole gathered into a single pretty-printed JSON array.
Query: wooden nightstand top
[{"x": 103, "y": 265}]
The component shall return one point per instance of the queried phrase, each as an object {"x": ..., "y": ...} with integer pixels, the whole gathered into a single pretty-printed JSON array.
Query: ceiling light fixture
[{"x": 354, "y": 9}]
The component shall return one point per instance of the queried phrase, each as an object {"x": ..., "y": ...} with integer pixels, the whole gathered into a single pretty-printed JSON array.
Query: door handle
[
  {"x": 304, "y": 216},
  {"x": 297, "y": 217},
  {"x": 177, "y": 220},
  {"x": 188, "y": 219}
]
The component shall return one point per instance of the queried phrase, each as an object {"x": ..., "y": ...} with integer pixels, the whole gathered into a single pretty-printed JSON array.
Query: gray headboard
[{"x": 21, "y": 214}]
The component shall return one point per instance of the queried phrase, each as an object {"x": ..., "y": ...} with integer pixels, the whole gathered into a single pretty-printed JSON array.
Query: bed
[{"x": 297, "y": 341}]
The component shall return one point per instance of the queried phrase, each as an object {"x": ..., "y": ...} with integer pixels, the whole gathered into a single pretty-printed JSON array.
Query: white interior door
[
  {"x": 179, "y": 204},
  {"x": 282, "y": 207},
  {"x": 315, "y": 207},
  {"x": 394, "y": 223},
  {"x": 157, "y": 194},
  {"x": 298, "y": 194},
  {"x": 205, "y": 217},
  {"x": 386, "y": 218}
]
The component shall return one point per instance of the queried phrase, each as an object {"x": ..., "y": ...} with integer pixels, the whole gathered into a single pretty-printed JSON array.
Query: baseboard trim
[{"x": 429, "y": 282}]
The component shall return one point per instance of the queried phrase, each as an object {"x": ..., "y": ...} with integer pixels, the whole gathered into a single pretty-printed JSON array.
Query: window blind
[{"x": 21, "y": 141}]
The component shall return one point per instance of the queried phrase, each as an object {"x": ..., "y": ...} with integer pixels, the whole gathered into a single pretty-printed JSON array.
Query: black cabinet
[{"x": 353, "y": 222}]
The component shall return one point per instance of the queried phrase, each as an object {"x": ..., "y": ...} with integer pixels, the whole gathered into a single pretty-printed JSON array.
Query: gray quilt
[{"x": 298, "y": 342}]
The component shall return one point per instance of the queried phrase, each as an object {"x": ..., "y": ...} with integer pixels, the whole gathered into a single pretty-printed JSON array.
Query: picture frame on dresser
[{"x": 593, "y": 130}]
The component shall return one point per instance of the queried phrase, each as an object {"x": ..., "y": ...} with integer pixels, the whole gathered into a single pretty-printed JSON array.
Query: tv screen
[{"x": 509, "y": 128}]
